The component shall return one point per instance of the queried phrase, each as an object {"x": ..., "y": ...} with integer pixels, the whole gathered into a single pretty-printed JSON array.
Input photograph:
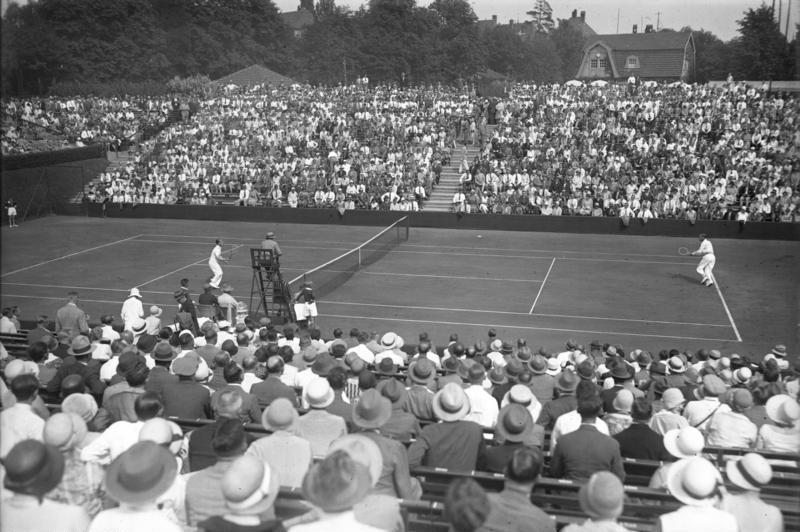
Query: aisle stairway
[
  {"x": 442, "y": 198},
  {"x": 115, "y": 160}
]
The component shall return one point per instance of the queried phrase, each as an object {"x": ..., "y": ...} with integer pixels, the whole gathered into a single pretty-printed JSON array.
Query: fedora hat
[
  {"x": 514, "y": 369},
  {"x": 553, "y": 367},
  {"x": 713, "y": 386},
  {"x": 163, "y": 352},
  {"x": 537, "y": 365},
  {"x": 336, "y": 483},
  {"x": 421, "y": 371},
  {"x": 782, "y": 409},
  {"x": 751, "y": 471},
  {"x": 142, "y": 473},
  {"x": 318, "y": 393},
  {"x": 603, "y": 496},
  {"x": 567, "y": 381},
  {"x": 279, "y": 415},
  {"x": 80, "y": 346},
  {"x": 372, "y": 410},
  {"x": 362, "y": 450},
  {"x": 451, "y": 364},
  {"x": 64, "y": 431},
  {"x": 586, "y": 370},
  {"x": 498, "y": 376},
  {"x": 506, "y": 348},
  {"x": 386, "y": 367},
  {"x": 250, "y": 486},
  {"x": 450, "y": 403},
  {"x": 323, "y": 364},
  {"x": 514, "y": 423},
  {"x": 33, "y": 468},
  {"x": 391, "y": 340},
  {"x": 186, "y": 366},
  {"x": 694, "y": 481},
  {"x": 394, "y": 391},
  {"x": 622, "y": 371},
  {"x": 685, "y": 442},
  {"x": 779, "y": 351},
  {"x": 741, "y": 400}
]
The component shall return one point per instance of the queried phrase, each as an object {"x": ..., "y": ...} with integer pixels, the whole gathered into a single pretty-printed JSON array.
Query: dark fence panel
[
  {"x": 47, "y": 158},
  {"x": 486, "y": 222}
]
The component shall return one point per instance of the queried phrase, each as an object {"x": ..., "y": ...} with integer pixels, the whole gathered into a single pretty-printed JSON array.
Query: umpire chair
[{"x": 268, "y": 286}]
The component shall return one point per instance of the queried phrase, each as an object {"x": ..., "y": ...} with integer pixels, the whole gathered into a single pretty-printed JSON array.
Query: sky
[{"x": 716, "y": 16}]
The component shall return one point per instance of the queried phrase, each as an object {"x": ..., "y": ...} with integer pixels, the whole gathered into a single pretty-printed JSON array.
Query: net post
[{"x": 359, "y": 258}]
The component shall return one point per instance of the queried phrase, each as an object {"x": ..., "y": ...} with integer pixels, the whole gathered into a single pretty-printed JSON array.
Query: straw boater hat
[
  {"x": 694, "y": 481},
  {"x": 603, "y": 496},
  {"x": 279, "y": 415},
  {"x": 450, "y": 403},
  {"x": 391, "y": 340},
  {"x": 783, "y": 410},
  {"x": 751, "y": 472},
  {"x": 141, "y": 474},
  {"x": 685, "y": 442},
  {"x": 318, "y": 393},
  {"x": 250, "y": 486},
  {"x": 422, "y": 371}
]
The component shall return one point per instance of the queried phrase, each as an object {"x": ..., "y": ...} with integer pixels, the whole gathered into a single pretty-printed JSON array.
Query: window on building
[
  {"x": 632, "y": 62},
  {"x": 593, "y": 63},
  {"x": 603, "y": 63}
]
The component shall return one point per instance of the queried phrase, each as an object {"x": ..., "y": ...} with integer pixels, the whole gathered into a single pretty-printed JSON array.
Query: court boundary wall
[
  {"x": 443, "y": 220},
  {"x": 50, "y": 158}
]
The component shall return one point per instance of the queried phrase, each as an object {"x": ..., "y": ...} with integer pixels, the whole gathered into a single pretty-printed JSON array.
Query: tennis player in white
[
  {"x": 706, "y": 266},
  {"x": 213, "y": 263}
]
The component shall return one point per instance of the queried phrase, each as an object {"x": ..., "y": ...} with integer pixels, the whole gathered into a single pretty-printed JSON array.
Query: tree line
[{"x": 58, "y": 46}]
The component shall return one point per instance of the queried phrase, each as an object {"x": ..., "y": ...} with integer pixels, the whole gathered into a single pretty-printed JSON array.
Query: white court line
[
  {"x": 503, "y": 325},
  {"x": 727, "y": 310},
  {"x": 70, "y": 255},
  {"x": 542, "y": 286},
  {"x": 90, "y": 288},
  {"x": 195, "y": 263},
  {"x": 509, "y": 313},
  {"x": 81, "y": 299}
]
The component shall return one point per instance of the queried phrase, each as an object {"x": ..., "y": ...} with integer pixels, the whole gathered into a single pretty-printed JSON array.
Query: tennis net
[{"x": 329, "y": 276}]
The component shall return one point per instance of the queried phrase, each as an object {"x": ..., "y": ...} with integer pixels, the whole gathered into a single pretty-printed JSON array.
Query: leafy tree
[
  {"x": 542, "y": 15},
  {"x": 761, "y": 51},
  {"x": 712, "y": 56},
  {"x": 568, "y": 42}
]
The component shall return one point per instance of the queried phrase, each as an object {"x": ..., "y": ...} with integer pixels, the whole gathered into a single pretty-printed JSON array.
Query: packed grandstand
[{"x": 650, "y": 150}]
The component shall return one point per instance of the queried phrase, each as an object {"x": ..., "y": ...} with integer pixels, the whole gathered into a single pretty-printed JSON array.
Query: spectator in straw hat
[
  {"x": 335, "y": 485},
  {"x": 454, "y": 443},
  {"x": 169, "y": 435},
  {"x": 249, "y": 488},
  {"x": 514, "y": 429},
  {"x": 566, "y": 384},
  {"x": 778, "y": 354},
  {"x": 19, "y": 422},
  {"x": 697, "y": 483},
  {"x": 669, "y": 417},
  {"x": 136, "y": 479},
  {"x": 602, "y": 498},
  {"x": 401, "y": 425},
  {"x": 784, "y": 434},
  {"x": 751, "y": 473},
  {"x": 369, "y": 415},
  {"x": 733, "y": 428},
  {"x": 319, "y": 426},
  {"x": 391, "y": 344},
  {"x": 522, "y": 395},
  {"x": 32, "y": 470},
  {"x": 421, "y": 375},
  {"x": 511, "y": 509},
  {"x": 132, "y": 309},
  {"x": 680, "y": 443},
  {"x": 698, "y": 413},
  {"x": 81, "y": 484},
  {"x": 285, "y": 450},
  {"x": 483, "y": 407},
  {"x": 466, "y": 505}
]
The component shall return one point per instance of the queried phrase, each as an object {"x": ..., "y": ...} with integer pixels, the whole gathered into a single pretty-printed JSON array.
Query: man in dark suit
[
  {"x": 639, "y": 440},
  {"x": 514, "y": 430},
  {"x": 71, "y": 318},
  {"x": 623, "y": 374},
  {"x": 160, "y": 376},
  {"x": 233, "y": 374},
  {"x": 78, "y": 361},
  {"x": 272, "y": 387},
  {"x": 187, "y": 398},
  {"x": 585, "y": 451}
]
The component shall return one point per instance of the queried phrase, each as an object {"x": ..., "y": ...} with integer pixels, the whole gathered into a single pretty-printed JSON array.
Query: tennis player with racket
[
  {"x": 706, "y": 266},
  {"x": 305, "y": 304},
  {"x": 214, "y": 262}
]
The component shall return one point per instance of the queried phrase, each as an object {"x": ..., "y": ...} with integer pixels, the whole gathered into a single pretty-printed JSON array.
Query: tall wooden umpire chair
[{"x": 269, "y": 288}]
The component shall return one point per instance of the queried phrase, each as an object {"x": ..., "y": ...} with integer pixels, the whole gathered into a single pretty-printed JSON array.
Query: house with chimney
[
  {"x": 652, "y": 55},
  {"x": 298, "y": 21}
]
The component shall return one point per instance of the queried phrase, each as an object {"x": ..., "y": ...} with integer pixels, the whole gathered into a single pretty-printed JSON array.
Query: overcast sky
[{"x": 716, "y": 16}]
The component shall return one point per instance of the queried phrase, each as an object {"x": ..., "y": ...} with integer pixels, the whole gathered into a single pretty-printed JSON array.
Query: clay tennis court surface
[{"x": 545, "y": 287}]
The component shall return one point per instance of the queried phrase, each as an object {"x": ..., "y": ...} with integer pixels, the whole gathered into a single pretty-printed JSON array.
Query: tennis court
[{"x": 545, "y": 287}]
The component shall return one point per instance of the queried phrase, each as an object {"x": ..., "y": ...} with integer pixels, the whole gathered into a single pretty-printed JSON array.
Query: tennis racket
[{"x": 683, "y": 251}]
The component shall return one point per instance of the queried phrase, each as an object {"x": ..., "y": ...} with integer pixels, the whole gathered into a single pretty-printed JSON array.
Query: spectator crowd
[{"x": 138, "y": 423}]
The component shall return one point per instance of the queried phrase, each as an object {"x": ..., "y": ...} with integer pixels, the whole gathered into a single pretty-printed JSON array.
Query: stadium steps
[
  {"x": 442, "y": 198},
  {"x": 115, "y": 160}
]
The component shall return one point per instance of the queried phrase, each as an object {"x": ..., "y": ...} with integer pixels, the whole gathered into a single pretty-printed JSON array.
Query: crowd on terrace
[{"x": 154, "y": 426}]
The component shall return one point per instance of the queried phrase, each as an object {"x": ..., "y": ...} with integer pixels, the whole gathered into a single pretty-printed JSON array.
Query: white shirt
[
  {"x": 7, "y": 326},
  {"x": 697, "y": 411},
  {"x": 708, "y": 519},
  {"x": 570, "y": 422},
  {"x": 483, "y": 407},
  {"x": 363, "y": 353},
  {"x": 131, "y": 309},
  {"x": 17, "y": 423},
  {"x": 110, "y": 333},
  {"x": 705, "y": 248},
  {"x": 216, "y": 253},
  {"x": 114, "y": 441},
  {"x": 249, "y": 380},
  {"x": 341, "y": 521}
]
